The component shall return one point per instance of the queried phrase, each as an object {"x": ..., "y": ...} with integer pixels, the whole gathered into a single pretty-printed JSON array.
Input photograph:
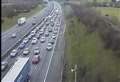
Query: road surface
[
  {"x": 7, "y": 42},
  {"x": 49, "y": 69}
]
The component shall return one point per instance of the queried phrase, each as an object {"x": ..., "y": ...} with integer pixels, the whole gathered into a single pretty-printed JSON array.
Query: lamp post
[{"x": 75, "y": 70}]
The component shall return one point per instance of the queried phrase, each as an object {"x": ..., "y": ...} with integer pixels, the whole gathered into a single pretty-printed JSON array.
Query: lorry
[
  {"x": 19, "y": 72},
  {"x": 21, "y": 21}
]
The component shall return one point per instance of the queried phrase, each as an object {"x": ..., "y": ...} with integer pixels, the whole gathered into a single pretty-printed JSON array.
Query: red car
[{"x": 35, "y": 59}]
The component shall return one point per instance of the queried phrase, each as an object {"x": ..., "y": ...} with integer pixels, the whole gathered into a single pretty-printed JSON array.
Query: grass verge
[
  {"x": 95, "y": 63},
  {"x": 113, "y": 12}
]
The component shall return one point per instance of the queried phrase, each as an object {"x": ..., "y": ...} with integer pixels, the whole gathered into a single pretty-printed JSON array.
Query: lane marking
[{"x": 51, "y": 56}]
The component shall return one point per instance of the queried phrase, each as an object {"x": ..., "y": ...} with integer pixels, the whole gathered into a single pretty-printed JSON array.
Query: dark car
[
  {"x": 35, "y": 59},
  {"x": 22, "y": 45}
]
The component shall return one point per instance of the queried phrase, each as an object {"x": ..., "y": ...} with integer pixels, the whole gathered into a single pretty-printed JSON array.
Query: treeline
[
  {"x": 109, "y": 32},
  {"x": 12, "y": 8},
  {"x": 107, "y": 4}
]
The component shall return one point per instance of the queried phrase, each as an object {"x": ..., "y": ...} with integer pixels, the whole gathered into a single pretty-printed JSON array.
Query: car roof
[
  {"x": 35, "y": 56},
  {"x": 14, "y": 50}
]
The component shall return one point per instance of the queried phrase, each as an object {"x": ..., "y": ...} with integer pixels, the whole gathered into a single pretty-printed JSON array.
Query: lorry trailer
[{"x": 19, "y": 72}]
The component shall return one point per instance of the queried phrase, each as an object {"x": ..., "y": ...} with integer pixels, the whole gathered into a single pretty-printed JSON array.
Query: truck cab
[{"x": 21, "y": 21}]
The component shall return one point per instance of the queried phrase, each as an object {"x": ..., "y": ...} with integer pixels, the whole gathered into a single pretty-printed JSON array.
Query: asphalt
[
  {"x": 7, "y": 42},
  {"x": 49, "y": 69}
]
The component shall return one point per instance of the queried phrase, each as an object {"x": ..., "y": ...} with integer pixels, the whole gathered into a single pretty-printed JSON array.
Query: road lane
[
  {"x": 12, "y": 60},
  {"x": 7, "y": 42},
  {"x": 39, "y": 71}
]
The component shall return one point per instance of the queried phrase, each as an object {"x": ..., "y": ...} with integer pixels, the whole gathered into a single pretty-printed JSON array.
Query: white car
[
  {"x": 25, "y": 40},
  {"x": 30, "y": 36},
  {"x": 49, "y": 16},
  {"x": 53, "y": 36},
  {"x": 41, "y": 31},
  {"x": 13, "y": 35},
  {"x": 13, "y": 53},
  {"x": 42, "y": 39},
  {"x": 4, "y": 65},
  {"x": 51, "y": 20},
  {"x": 34, "y": 41},
  {"x": 33, "y": 33},
  {"x": 37, "y": 28},
  {"x": 49, "y": 46},
  {"x": 36, "y": 51},
  {"x": 26, "y": 51},
  {"x": 56, "y": 10}
]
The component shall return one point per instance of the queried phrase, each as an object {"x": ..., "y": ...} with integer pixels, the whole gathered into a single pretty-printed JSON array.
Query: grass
[
  {"x": 99, "y": 1},
  {"x": 9, "y": 22},
  {"x": 114, "y": 12},
  {"x": 87, "y": 50}
]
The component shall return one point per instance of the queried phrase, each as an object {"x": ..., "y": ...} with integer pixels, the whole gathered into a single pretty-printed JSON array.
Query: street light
[{"x": 75, "y": 70}]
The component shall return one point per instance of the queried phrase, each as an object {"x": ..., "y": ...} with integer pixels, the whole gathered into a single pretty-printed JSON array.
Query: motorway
[
  {"x": 49, "y": 69},
  {"x": 7, "y": 42}
]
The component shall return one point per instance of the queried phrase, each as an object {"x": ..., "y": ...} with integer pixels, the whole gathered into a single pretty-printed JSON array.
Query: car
[
  {"x": 42, "y": 39},
  {"x": 44, "y": 27},
  {"x": 34, "y": 41},
  {"x": 33, "y": 33},
  {"x": 13, "y": 53},
  {"x": 49, "y": 16},
  {"x": 35, "y": 59},
  {"x": 41, "y": 31},
  {"x": 55, "y": 32},
  {"x": 46, "y": 33},
  {"x": 52, "y": 24},
  {"x": 49, "y": 47},
  {"x": 22, "y": 45},
  {"x": 37, "y": 28},
  {"x": 13, "y": 35},
  {"x": 38, "y": 36},
  {"x": 58, "y": 24},
  {"x": 56, "y": 28},
  {"x": 51, "y": 20},
  {"x": 30, "y": 36},
  {"x": 4, "y": 65},
  {"x": 56, "y": 10},
  {"x": 33, "y": 23},
  {"x": 50, "y": 29},
  {"x": 52, "y": 41},
  {"x": 47, "y": 23},
  {"x": 26, "y": 51},
  {"x": 53, "y": 36},
  {"x": 26, "y": 40},
  {"x": 36, "y": 51}
]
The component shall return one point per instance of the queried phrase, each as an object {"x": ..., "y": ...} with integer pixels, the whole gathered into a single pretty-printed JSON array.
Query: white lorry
[{"x": 21, "y": 21}]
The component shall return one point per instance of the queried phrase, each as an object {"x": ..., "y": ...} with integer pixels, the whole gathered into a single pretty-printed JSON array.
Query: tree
[{"x": 113, "y": 0}]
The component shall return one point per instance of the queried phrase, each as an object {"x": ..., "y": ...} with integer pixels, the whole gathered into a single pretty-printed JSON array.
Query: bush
[{"x": 107, "y": 29}]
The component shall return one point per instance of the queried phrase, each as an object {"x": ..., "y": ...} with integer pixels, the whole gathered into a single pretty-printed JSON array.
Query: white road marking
[{"x": 51, "y": 57}]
